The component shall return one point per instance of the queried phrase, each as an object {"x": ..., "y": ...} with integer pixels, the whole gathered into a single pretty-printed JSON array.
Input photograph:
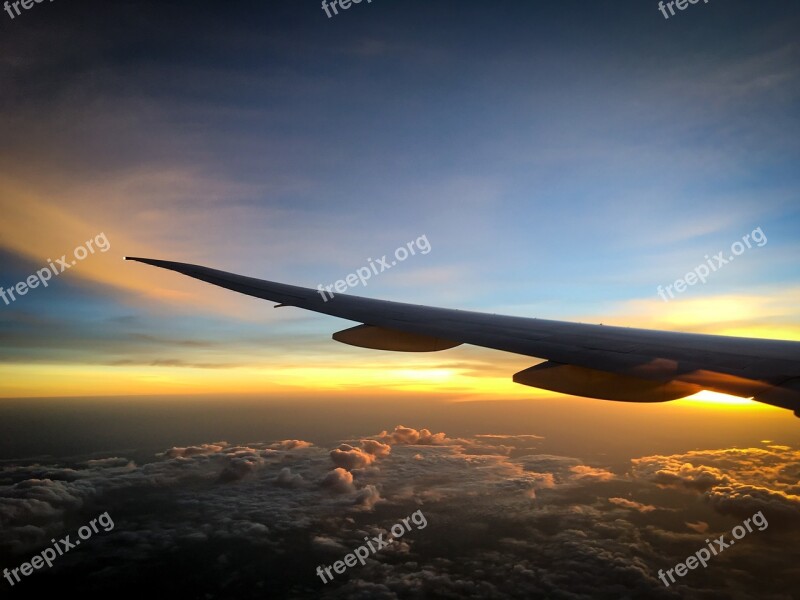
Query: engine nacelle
[
  {"x": 381, "y": 338},
  {"x": 591, "y": 383}
]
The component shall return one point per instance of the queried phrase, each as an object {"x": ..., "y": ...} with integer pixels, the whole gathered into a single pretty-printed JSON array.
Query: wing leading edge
[{"x": 595, "y": 361}]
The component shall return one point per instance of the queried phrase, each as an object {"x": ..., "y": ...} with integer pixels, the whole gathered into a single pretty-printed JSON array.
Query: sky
[
  {"x": 558, "y": 169},
  {"x": 562, "y": 160}
]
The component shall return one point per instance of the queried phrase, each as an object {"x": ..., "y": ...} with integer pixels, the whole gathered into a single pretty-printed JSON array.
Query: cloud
[
  {"x": 290, "y": 444},
  {"x": 587, "y": 472},
  {"x": 368, "y": 497},
  {"x": 288, "y": 479},
  {"x": 376, "y": 448},
  {"x": 699, "y": 527},
  {"x": 510, "y": 438},
  {"x": 735, "y": 481},
  {"x": 328, "y": 544},
  {"x": 349, "y": 457},
  {"x": 339, "y": 481},
  {"x": 204, "y": 449},
  {"x": 112, "y": 461},
  {"x": 408, "y": 435},
  {"x": 501, "y": 523},
  {"x": 625, "y": 503}
]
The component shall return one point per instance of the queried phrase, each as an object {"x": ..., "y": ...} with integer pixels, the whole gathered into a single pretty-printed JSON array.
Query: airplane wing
[{"x": 594, "y": 361}]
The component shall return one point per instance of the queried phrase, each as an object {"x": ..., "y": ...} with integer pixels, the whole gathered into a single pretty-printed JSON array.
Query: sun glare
[{"x": 709, "y": 398}]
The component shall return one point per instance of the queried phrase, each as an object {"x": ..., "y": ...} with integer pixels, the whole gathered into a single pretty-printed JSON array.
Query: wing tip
[{"x": 147, "y": 261}]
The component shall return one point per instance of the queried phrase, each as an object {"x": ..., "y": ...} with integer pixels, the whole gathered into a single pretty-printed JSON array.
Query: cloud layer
[{"x": 504, "y": 519}]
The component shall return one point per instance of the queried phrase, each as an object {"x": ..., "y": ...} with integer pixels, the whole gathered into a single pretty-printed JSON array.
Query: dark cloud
[
  {"x": 498, "y": 524},
  {"x": 736, "y": 481}
]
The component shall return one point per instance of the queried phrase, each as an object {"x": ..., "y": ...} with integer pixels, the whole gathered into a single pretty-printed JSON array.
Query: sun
[{"x": 707, "y": 398}]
